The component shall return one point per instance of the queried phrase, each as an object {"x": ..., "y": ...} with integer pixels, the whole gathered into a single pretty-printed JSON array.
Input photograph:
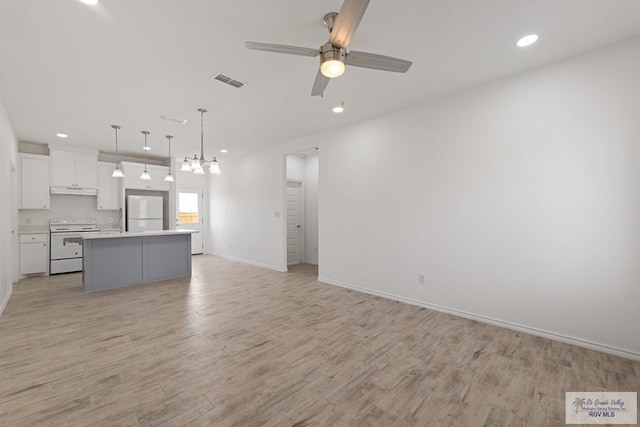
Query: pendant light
[
  {"x": 117, "y": 173},
  {"x": 186, "y": 165},
  {"x": 169, "y": 177},
  {"x": 145, "y": 175},
  {"x": 196, "y": 164},
  {"x": 214, "y": 169}
]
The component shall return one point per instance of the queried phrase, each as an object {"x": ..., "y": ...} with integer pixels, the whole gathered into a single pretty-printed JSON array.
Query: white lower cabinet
[{"x": 34, "y": 253}]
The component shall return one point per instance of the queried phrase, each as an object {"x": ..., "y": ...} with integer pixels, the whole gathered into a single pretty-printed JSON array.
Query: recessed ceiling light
[
  {"x": 146, "y": 147},
  {"x": 527, "y": 40},
  {"x": 62, "y": 135},
  {"x": 338, "y": 109},
  {"x": 90, "y": 2},
  {"x": 224, "y": 150}
]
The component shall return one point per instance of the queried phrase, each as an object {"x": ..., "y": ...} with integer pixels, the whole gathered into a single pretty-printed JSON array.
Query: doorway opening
[
  {"x": 189, "y": 216},
  {"x": 301, "y": 210}
]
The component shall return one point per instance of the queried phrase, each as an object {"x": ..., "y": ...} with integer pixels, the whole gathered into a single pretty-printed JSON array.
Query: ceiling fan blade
[
  {"x": 281, "y": 48},
  {"x": 377, "y": 62},
  {"x": 320, "y": 84},
  {"x": 347, "y": 22}
]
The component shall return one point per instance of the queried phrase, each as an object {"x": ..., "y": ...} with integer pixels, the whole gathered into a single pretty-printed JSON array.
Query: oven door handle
[{"x": 72, "y": 241}]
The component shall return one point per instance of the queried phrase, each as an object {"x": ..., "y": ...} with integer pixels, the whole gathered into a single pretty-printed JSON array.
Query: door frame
[{"x": 192, "y": 189}]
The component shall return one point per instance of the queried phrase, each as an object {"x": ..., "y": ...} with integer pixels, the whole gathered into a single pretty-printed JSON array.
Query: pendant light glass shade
[
  {"x": 199, "y": 171},
  {"x": 186, "y": 165},
  {"x": 117, "y": 173},
  {"x": 214, "y": 168},
  {"x": 145, "y": 175},
  {"x": 195, "y": 163},
  {"x": 169, "y": 177}
]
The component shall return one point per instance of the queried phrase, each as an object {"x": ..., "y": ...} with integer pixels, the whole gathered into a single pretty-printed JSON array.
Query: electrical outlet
[{"x": 422, "y": 280}]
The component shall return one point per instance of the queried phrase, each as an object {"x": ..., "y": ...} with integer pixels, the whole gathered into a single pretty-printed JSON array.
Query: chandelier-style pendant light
[
  {"x": 145, "y": 175},
  {"x": 117, "y": 172},
  {"x": 196, "y": 164},
  {"x": 169, "y": 177}
]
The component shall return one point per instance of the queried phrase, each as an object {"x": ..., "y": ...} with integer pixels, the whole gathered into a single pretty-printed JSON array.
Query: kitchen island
[{"x": 118, "y": 259}]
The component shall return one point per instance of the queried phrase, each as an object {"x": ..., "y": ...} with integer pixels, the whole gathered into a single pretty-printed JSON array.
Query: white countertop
[
  {"x": 119, "y": 234},
  {"x": 33, "y": 229}
]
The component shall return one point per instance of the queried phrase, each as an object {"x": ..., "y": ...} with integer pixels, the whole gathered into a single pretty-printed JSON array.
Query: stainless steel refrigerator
[{"x": 144, "y": 213}]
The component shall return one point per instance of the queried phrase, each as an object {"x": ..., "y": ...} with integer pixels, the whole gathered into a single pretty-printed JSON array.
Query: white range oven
[{"x": 66, "y": 242}]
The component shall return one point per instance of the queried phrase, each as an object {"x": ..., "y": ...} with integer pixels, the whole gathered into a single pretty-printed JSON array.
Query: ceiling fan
[{"x": 333, "y": 54}]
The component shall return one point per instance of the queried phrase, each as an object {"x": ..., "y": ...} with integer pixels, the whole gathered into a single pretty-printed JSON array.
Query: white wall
[
  {"x": 8, "y": 215},
  {"x": 295, "y": 167},
  {"x": 247, "y": 210},
  {"x": 63, "y": 206},
  {"x": 518, "y": 200}
]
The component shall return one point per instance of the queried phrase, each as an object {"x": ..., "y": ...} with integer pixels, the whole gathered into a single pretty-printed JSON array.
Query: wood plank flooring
[{"x": 239, "y": 345}]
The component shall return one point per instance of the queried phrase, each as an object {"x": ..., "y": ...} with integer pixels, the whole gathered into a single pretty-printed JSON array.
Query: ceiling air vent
[{"x": 224, "y": 79}]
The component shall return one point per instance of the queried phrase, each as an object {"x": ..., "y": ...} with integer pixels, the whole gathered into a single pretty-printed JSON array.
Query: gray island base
[{"x": 115, "y": 260}]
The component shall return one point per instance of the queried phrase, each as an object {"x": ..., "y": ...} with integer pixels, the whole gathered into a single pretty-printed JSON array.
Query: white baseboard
[
  {"x": 6, "y": 300},
  {"x": 247, "y": 261},
  {"x": 604, "y": 348},
  {"x": 311, "y": 261}
]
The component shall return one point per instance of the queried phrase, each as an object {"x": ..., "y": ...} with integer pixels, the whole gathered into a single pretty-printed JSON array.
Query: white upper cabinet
[
  {"x": 34, "y": 181},
  {"x": 71, "y": 168},
  {"x": 108, "y": 188},
  {"x": 132, "y": 172}
]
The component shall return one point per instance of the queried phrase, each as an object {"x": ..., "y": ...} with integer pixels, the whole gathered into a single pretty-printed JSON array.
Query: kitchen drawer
[{"x": 33, "y": 238}]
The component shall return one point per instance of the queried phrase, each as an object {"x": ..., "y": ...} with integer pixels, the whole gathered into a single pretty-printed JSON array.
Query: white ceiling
[{"x": 72, "y": 68}]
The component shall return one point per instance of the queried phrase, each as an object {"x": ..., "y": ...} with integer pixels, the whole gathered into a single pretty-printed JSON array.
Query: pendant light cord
[
  {"x": 145, "y": 132},
  {"x": 202, "y": 159}
]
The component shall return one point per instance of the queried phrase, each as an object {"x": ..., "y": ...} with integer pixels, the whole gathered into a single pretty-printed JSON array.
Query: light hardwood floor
[{"x": 240, "y": 345}]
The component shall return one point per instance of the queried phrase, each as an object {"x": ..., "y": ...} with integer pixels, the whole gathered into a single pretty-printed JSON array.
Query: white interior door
[
  {"x": 190, "y": 216},
  {"x": 295, "y": 223}
]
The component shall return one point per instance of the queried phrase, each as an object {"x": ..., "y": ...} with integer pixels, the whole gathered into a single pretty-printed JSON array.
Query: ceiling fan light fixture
[
  {"x": 332, "y": 68},
  {"x": 332, "y": 61}
]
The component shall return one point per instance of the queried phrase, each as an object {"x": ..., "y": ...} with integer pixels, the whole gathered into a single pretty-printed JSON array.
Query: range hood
[{"x": 76, "y": 191}]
